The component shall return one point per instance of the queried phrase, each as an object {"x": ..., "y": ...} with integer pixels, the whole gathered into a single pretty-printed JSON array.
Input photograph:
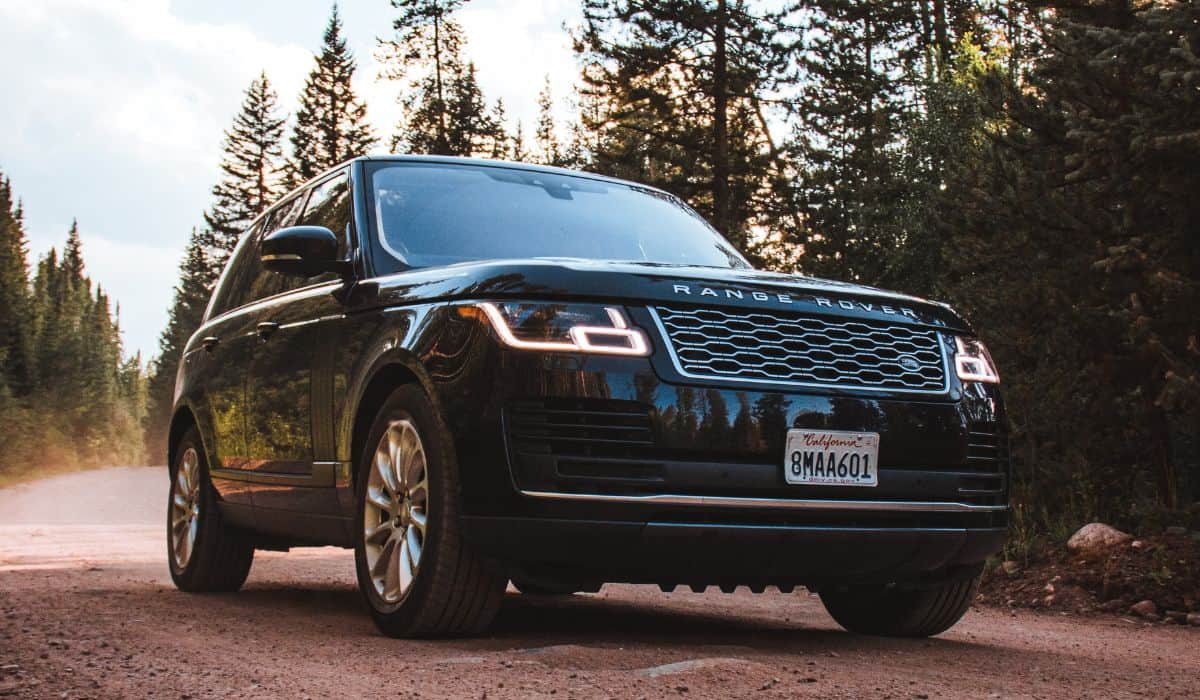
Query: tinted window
[
  {"x": 244, "y": 280},
  {"x": 438, "y": 214},
  {"x": 265, "y": 282},
  {"x": 329, "y": 206},
  {"x": 239, "y": 273}
]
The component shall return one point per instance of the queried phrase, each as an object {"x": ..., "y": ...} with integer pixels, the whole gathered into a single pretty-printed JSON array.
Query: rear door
[{"x": 220, "y": 367}]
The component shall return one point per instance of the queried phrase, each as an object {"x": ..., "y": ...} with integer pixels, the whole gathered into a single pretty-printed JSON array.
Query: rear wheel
[
  {"x": 418, "y": 576},
  {"x": 203, "y": 552},
  {"x": 890, "y": 611}
]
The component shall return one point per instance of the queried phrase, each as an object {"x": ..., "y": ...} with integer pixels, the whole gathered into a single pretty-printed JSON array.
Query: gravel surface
[{"x": 87, "y": 610}]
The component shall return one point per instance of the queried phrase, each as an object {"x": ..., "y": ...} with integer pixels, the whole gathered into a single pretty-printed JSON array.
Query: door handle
[
  {"x": 209, "y": 342},
  {"x": 266, "y": 328}
]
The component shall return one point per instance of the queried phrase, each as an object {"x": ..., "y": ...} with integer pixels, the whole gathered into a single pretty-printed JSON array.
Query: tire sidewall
[{"x": 405, "y": 403}]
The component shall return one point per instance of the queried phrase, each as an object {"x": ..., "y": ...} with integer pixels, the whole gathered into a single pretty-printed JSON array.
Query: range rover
[{"x": 474, "y": 373}]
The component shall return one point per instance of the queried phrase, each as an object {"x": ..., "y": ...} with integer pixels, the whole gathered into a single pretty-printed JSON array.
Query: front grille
[{"x": 804, "y": 350}]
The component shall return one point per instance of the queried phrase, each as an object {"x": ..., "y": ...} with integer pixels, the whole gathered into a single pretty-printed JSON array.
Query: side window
[
  {"x": 266, "y": 283},
  {"x": 329, "y": 206},
  {"x": 241, "y": 270}
]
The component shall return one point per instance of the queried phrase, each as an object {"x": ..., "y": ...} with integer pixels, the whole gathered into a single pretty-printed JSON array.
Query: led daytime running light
[
  {"x": 973, "y": 362},
  {"x": 582, "y": 338}
]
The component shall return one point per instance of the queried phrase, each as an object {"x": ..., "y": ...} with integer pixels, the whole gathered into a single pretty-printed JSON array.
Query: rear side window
[{"x": 239, "y": 273}]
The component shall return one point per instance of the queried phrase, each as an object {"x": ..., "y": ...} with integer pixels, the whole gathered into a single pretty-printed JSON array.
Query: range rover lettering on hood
[{"x": 729, "y": 293}]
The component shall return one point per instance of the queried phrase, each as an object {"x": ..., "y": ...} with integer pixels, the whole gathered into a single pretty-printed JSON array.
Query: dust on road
[{"x": 87, "y": 610}]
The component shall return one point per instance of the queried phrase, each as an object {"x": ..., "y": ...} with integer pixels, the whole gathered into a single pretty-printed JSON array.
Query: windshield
[{"x": 430, "y": 214}]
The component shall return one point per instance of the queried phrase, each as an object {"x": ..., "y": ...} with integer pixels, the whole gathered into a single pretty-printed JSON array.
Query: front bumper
[
  {"x": 677, "y": 553},
  {"x": 612, "y": 468}
]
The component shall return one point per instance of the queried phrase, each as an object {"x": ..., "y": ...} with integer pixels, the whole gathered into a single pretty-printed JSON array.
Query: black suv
[{"x": 474, "y": 372}]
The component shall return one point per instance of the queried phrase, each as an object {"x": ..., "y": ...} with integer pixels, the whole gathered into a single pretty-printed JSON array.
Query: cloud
[
  {"x": 114, "y": 114},
  {"x": 114, "y": 111}
]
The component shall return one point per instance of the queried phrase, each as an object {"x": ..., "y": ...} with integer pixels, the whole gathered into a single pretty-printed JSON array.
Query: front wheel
[
  {"x": 891, "y": 611},
  {"x": 204, "y": 553},
  {"x": 418, "y": 575}
]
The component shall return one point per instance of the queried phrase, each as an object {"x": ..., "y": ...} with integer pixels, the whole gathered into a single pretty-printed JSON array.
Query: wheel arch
[{"x": 384, "y": 379}]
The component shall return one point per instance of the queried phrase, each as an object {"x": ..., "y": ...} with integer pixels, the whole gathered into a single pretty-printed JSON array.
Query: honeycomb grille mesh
[{"x": 847, "y": 353}]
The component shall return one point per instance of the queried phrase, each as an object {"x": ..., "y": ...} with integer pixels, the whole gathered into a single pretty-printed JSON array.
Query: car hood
[{"x": 636, "y": 283}]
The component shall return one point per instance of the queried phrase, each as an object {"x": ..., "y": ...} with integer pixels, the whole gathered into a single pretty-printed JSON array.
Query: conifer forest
[{"x": 1034, "y": 163}]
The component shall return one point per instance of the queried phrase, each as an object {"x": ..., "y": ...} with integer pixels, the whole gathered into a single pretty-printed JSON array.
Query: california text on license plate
[{"x": 831, "y": 457}]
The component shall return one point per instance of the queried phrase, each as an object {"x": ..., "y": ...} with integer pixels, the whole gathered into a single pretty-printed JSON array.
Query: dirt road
[{"x": 87, "y": 610}]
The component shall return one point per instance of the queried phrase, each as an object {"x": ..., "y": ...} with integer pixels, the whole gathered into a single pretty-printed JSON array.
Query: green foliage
[
  {"x": 252, "y": 171},
  {"x": 1033, "y": 163},
  {"x": 445, "y": 112},
  {"x": 331, "y": 122},
  {"x": 187, "y": 312},
  {"x": 68, "y": 399},
  {"x": 681, "y": 95}
]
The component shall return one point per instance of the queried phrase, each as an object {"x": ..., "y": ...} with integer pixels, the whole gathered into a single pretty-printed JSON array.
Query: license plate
[{"x": 831, "y": 458}]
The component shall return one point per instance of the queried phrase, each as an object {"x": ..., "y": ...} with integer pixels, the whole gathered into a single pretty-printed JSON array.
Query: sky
[{"x": 112, "y": 112}]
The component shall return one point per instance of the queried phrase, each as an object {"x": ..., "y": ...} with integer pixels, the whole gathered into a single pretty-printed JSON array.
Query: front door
[
  {"x": 280, "y": 396},
  {"x": 287, "y": 405}
]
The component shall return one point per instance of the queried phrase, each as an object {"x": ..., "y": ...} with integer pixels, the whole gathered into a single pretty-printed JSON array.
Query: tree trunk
[
  {"x": 442, "y": 146},
  {"x": 941, "y": 35},
  {"x": 720, "y": 184}
]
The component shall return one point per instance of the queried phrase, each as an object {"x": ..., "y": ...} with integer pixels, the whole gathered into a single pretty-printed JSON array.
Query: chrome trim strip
[
  {"x": 783, "y": 503},
  {"x": 670, "y": 345}
]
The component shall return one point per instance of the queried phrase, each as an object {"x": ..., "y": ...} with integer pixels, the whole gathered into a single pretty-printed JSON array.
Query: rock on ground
[{"x": 1095, "y": 536}]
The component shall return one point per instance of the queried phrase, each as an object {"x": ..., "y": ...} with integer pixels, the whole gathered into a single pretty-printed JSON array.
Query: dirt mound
[{"x": 1164, "y": 569}]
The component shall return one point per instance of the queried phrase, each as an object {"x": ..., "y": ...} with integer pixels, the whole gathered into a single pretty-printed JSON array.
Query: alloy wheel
[
  {"x": 185, "y": 508},
  {"x": 396, "y": 511}
]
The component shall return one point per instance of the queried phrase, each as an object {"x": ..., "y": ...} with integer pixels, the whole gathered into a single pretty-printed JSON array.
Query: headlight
[
  {"x": 973, "y": 362},
  {"x": 586, "y": 328}
]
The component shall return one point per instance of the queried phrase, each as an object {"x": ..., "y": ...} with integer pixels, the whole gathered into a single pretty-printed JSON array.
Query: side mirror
[{"x": 304, "y": 251}]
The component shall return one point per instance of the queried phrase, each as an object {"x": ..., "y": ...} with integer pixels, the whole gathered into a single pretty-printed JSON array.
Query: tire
[
  {"x": 897, "y": 612},
  {"x": 204, "y": 554},
  {"x": 409, "y": 529}
]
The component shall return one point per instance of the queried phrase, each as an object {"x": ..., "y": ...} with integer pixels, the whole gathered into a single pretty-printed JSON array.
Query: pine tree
[
  {"x": 426, "y": 52},
  {"x": 857, "y": 67},
  {"x": 331, "y": 122},
  {"x": 252, "y": 170},
  {"x": 546, "y": 136},
  {"x": 187, "y": 311},
  {"x": 687, "y": 86},
  {"x": 15, "y": 322}
]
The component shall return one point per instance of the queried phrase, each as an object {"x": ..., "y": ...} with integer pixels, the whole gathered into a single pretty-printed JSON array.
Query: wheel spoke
[
  {"x": 419, "y": 493},
  {"x": 415, "y": 470},
  {"x": 413, "y": 547},
  {"x": 405, "y": 566},
  {"x": 379, "y": 500},
  {"x": 384, "y": 469},
  {"x": 418, "y": 520},
  {"x": 379, "y": 567},
  {"x": 396, "y": 453},
  {"x": 379, "y": 534},
  {"x": 180, "y": 501},
  {"x": 391, "y": 564}
]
